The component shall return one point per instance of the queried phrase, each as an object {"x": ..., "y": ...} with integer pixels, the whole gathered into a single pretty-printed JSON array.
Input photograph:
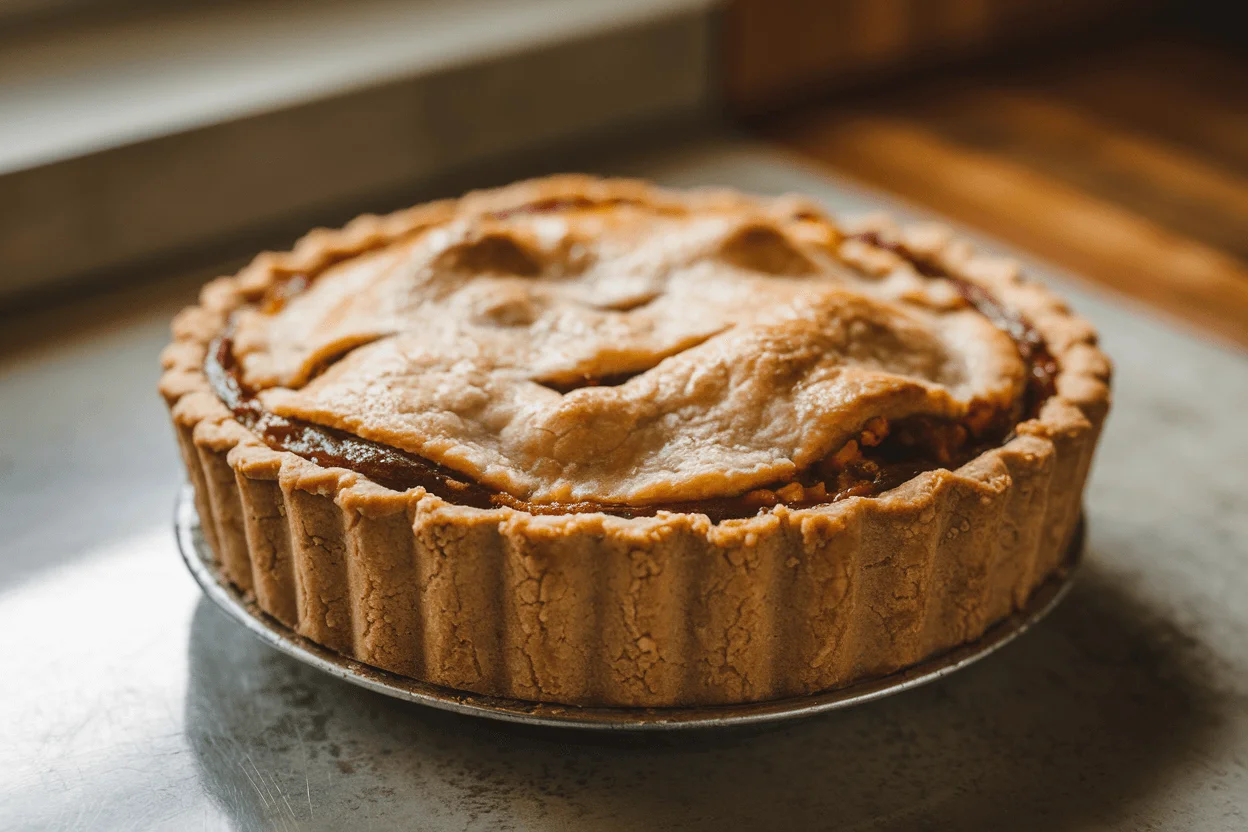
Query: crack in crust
[{"x": 652, "y": 611}]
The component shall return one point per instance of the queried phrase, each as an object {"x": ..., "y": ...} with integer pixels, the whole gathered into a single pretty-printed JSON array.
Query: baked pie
[{"x": 593, "y": 442}]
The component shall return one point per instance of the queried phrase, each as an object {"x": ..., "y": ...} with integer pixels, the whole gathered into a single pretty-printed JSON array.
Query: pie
[{"x": 594, "y": 442}]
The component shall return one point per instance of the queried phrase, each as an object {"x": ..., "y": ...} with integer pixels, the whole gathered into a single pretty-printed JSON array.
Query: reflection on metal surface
[
  {"x": 129, "y": 701},
  {"x": 199, "y": 560}
]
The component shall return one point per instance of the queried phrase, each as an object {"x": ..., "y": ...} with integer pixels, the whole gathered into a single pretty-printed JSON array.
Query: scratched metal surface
[{"x": 128, "y": 702}]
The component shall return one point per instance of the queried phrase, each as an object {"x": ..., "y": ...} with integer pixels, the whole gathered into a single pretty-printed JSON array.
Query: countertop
[{"x": 129, "y": 702}]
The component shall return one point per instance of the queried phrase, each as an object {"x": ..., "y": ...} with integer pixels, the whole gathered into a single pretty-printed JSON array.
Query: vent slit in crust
[{"x": 566, "y": 385}]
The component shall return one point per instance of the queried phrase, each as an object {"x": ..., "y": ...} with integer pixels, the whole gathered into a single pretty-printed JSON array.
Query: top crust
[{"x": 748, "y": 338}]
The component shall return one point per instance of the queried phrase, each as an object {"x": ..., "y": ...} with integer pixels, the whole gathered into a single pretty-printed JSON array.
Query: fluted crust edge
[{"x": 662, "y": 611}]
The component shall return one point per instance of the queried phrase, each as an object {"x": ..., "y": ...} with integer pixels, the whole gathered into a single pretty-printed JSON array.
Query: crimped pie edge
[{"x": 652, "y": 611}]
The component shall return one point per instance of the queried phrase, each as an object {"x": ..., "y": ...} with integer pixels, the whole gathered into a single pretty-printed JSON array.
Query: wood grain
[
  {"x": 1072, "y": 166},
  {"x": 1163, "y": 182},
  {"x": 779, "y": 51}
]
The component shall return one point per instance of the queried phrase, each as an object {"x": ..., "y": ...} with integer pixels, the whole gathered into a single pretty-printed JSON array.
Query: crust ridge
[{"x": 657, "y": 611}]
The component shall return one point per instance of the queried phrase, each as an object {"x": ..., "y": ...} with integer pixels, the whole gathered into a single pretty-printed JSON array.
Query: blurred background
[
  {"x": 149, "y": 145},
  {"x": 1107, "y": 136}
]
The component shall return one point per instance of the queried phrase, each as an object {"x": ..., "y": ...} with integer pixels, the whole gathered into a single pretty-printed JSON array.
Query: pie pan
[{"x": 199, "y": 560}]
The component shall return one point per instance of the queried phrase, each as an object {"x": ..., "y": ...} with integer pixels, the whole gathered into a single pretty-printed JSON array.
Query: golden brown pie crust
[{"x": 662, "y": 610}]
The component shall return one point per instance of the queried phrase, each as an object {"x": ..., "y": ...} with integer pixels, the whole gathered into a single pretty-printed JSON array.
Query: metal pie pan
[{"x": 199, "y": 559}]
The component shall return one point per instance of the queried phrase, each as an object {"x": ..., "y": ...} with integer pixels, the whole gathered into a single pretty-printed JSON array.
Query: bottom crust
[{"x": 648, "y": 612}]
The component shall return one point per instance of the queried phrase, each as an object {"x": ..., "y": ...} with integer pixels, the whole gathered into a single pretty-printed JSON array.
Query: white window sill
[{"x": 129, "y": 140}]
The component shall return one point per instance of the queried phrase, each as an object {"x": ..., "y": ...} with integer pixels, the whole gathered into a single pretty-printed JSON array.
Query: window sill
[{"x": 130, "y": 141}]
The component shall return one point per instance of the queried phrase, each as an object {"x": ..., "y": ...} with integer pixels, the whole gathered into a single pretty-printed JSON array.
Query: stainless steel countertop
[{"x": 128, "y": 702}]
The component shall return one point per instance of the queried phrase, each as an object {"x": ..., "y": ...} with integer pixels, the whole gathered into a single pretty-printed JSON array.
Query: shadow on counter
[{"x": 1067, "y": 726}]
